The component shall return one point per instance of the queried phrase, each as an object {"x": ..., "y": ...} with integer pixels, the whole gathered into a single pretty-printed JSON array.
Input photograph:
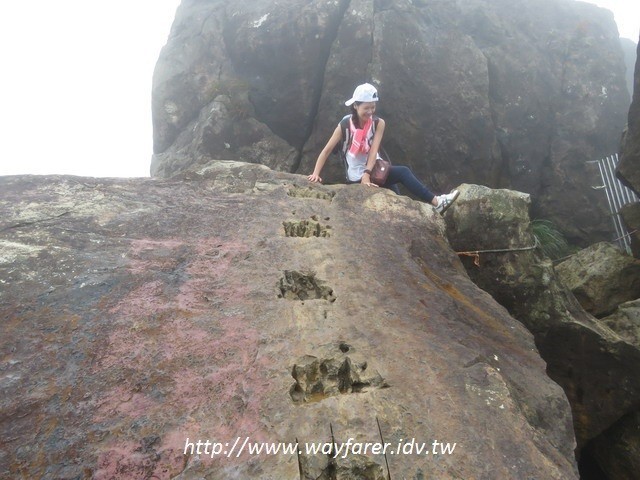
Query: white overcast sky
[{"x": 75, "y": 87}]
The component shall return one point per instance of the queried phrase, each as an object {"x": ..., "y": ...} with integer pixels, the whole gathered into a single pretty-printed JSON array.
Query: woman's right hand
[
  {"x": 324, "y": 154},
  {"x": 366, "y": 180}
]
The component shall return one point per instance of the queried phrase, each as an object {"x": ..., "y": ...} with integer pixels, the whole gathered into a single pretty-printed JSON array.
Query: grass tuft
[{"x": 551, "y": 240}]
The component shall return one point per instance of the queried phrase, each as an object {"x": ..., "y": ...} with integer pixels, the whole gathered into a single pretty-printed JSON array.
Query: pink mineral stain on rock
[
  {"x": 207, "y": 276},
  {"x": 125, "y": 346},
  {"x": 145, "y": 300},
  {"x": 120, "y": 402},
  {"x": 180, "y": 324},
  {"x": 144, "y": 253},
  {"x": 135, "y": 460},
  {"x": 183, "y": 336}
]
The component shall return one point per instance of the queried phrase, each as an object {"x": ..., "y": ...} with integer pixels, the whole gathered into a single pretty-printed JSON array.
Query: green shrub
[{"x": 550, "y": 239}]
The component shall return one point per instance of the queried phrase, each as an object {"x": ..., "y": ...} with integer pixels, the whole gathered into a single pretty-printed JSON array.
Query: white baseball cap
[{"x": 363, "y": 93}]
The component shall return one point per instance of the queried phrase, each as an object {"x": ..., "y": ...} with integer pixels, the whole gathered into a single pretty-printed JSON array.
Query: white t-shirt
[{"x": 357, "y": 163}]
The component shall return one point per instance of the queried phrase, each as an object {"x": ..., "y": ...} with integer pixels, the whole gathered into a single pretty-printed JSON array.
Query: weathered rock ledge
[
  {"x": 596, "y": 362},
  {"x": 139, "y": 313}
]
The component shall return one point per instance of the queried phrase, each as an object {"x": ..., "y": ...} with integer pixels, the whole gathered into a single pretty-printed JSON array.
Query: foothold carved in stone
[
  {"x": 303, "y": 286},
  {"x": 310, "y": 192},
  {"x": 306, "y": 228},
  {"x": 318, "y": 378},
  {"x": 353, "y": 467}
]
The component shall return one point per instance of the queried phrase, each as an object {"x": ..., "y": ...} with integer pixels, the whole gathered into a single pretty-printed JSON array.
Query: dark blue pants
[{"x": 404, "y": 175}]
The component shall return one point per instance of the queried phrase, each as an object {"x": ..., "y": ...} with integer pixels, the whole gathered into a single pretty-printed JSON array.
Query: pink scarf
[{"x": 359, "y": 136}]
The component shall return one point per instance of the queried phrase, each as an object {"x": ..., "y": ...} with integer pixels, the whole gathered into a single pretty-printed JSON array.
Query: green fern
[{"x": 550, "y": 239}]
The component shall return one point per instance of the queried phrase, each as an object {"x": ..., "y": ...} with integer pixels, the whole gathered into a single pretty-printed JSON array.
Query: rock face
[
  {"x": 629, "y": 49},
  {"x": 140, "y": 316},
  {"x": 629, "y": 166},
  {"x": 631, "y": 218},
  {"x": 625, "y": 321},
  {"x": 501, "y": 93},
  {"x": 601, "y": 277},
  {"x": 598, "y": 368},
  {"x": 618, "y": 449}
]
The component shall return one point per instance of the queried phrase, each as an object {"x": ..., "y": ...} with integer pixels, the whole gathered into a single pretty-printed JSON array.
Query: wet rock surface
[{"x": 137, "y": 314}]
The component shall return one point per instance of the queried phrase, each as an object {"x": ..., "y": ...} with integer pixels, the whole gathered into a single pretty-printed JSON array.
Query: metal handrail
[{"x": 618, "y": 195}]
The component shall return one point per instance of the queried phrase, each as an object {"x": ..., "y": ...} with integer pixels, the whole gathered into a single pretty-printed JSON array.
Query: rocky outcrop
[
  {"x": 143, "y": 315},
  {"x": 598, "y": 369},
  {"x": 506, "y": 94},
  {"x": 630, "y": 214},
  {"x": 601, "y": 277},
  {"x": 625, "y": 321},
  {"x": 629, "y": 166},
  {"x": 617, "y": 451},
  {"x": 629, "y": 50}
]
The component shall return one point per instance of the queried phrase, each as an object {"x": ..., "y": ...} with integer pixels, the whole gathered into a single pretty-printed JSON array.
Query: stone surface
[
  {"x": 601, "y": 277},
  {"x": 139, "y": 313},
  {"x": 223, "y": 132},
  {"x": 631, "y": 218},
  {"x": 629, "y": 49},
  {"x": 513, "y": 94},
  {"x": 625, "y": 321},
  {"x": 598, "y": 371},
  {"x": 618, "y": 450},
  {"x": 629, "y": 166}
]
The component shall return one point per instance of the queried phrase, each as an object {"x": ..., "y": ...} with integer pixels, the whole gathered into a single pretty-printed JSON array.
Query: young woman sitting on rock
[{"x": 366, "y": 132}]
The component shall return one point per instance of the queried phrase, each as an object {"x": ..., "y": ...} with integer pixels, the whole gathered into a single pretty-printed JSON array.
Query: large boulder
[
  {"x": 625, "y": 321},
  {"x": 630, "y": 214},
  {"x": 601, "y": 277},
  {"x": 502, "y": 93},
  {"x": 617, "y": 451},
  {"x": 599, "y": 370},
  {"x": 222, "y": 131},
  {"x": 239, "y": 305}
]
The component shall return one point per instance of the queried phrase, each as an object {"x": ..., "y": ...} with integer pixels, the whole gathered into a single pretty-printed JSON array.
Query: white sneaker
[{"x": 445, "y": 201}]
